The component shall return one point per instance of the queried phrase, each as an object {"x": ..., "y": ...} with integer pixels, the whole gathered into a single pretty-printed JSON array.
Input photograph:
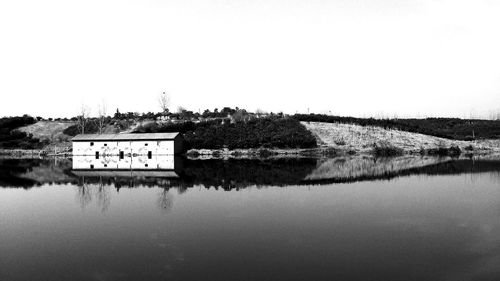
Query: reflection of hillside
[
  {"x": 368, "y": 168},
  {"x": 238, "y": 174},
  {"x": 51, "y": 171},
  {"x": 11, "y": 171},
  {"x": 241, "y": 173},
  {"x": 355, "y": 167}
]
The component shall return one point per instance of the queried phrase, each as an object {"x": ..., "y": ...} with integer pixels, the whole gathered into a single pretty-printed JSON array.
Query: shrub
[
  {"x": 11, "y": 138},
  {"x": 90, "y": 128},
  {"x": 443, "y": 151},
  {"x": 386, "y": 150},
  {"x": 340, "y": 142},
  {"x": 257, "y": 133}
]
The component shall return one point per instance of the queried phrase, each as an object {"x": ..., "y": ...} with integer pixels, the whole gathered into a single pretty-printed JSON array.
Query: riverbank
[
  {"x": 61, "y": 150},
  {"x": 333, "y": 140}
]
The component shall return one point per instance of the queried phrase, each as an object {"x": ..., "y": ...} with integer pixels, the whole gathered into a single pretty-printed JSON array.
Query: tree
[
  {"x": 82, "y": 119},
  {"x": 101, "y": 117},
  {"x": 164, "y": 101},
  {"x": 117, "y": 115}
]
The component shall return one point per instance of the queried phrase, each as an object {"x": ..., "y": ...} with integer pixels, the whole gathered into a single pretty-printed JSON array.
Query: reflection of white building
[
  {"x": 114, "y": 162},
  {"x": 127, "y": 145}
]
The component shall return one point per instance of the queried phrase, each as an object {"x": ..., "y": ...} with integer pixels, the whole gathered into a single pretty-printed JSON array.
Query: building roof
[{"x": 125, "y": 137}]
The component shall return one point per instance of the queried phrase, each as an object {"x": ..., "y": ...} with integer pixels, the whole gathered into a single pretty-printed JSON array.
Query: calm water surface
[{"x": 425, "y": 225}]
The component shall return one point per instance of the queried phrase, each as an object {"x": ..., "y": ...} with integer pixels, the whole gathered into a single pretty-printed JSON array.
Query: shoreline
[
  {"x": 326, "y": 152},
  {"x": 263, "y": 153}
]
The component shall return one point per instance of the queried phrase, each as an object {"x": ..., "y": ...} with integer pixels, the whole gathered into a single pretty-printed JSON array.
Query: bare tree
[
  {"x": 164, "y": 101},
  {"x": 101, "y": 117},
  {"x": 83, "y": 118}
]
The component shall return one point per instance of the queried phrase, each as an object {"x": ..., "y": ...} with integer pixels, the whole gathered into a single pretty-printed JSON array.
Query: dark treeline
[
  {"x": 268, "y": 132},
  {"x": 450, "y": 128},
  {"x": 12, "y": 138}
]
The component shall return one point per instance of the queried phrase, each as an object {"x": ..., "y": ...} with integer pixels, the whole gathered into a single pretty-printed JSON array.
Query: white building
[{"x": 127, "y": 145}]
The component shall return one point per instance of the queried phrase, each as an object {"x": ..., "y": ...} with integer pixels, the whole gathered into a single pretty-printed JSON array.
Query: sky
[{"x": 379, "y": 58}]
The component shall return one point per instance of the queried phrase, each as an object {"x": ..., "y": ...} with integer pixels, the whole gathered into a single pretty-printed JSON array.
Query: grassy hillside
[
  {"x": 11, "y": 137},
  {"x": 364, "y": 138},
  {"x": 48, "y": 130},
  {"x": 450, "y": 128}
]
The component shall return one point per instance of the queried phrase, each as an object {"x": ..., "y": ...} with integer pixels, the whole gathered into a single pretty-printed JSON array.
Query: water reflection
[
  {"x": 165, "y": 200},
  {"x": 127, "y": 163},
  {"x": 233, "y": 174},
  {"x": 440, "y": 225}
]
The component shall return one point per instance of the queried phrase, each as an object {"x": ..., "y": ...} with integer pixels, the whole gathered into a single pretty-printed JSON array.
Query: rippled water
[{"x": 291, "y": 219}]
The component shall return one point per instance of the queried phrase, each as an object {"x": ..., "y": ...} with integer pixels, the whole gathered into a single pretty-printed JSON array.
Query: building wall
[{"x": 163, "y": 147}]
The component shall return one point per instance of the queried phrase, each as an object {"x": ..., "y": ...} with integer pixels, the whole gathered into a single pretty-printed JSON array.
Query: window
[
  {"x": 145, "y": 165},
  {"x": 150, "y": 154},
  {"x": 145, "y": 144},
  {"x": 97, "y": 155},
  {"x": 105, "y": 165},
  {"x": 91, "y": 166},
  {"x": 105, "y": 144},
  {"x": 122, "y": 154},
  {"x": 91, "y": 143}
]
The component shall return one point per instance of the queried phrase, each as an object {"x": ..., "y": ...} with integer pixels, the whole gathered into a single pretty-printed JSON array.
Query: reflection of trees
[
  {"x": 84, "y": 195},
  {"x": 165, "y": 200},
  {"x": 103, "y": 197}
]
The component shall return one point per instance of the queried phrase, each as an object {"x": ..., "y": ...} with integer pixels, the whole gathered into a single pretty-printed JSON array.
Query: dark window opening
[
  {"x": 150, "y": 154},
  {"x": 97, "y": 155},
  {"x": 105, "y": 144},
  {"x": 91, "y": 143},
  {"x": 145, "y": 165},
  {"x": 91, "y": 166},
  {"x": 105, "y": 165},
  {"x": 146, "y": 144},
  {"x": 122, "y": 154}
]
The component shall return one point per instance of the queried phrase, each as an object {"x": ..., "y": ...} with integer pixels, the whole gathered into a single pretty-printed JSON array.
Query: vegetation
[
  {"x": 450, "y": 128},
  {"x": 386, "y": 150},
  {"x": 89, "y": 127},
  {"x": 453, "y": 151},
  {"x": 12, "y": 138},
  {"x": 271, "y": 132}
]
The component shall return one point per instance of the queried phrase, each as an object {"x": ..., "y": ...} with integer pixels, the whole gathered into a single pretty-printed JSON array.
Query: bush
[
  {"x": 340, "y": 142},
  {"x": 452, "y": 151},
  {"x": 386, "y": 150},
  {"x": 11, "y": 138},
  {"x": 257, "y": 133},
  {"x": 90, "y": 128}
]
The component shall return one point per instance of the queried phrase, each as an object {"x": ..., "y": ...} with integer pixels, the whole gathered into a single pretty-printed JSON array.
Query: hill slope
[{"x": 362, "y": 138}]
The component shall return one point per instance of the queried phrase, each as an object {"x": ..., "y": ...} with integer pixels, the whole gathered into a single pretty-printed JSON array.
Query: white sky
[{"x": 350, "y": 57}]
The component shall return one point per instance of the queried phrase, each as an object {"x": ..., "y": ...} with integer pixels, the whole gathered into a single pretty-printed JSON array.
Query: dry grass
[
  {"x": 48, "y": 130},
  {"x": 363, "y": 138}
]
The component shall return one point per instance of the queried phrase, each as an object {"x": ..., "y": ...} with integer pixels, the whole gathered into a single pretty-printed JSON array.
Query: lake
[{"x": 357, "y": 218}]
